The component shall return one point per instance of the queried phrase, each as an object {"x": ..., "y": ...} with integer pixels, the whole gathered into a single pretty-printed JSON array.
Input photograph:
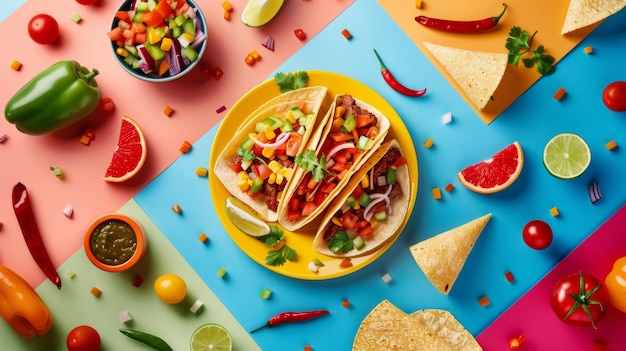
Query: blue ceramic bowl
[{"x": 144, "y": 60}]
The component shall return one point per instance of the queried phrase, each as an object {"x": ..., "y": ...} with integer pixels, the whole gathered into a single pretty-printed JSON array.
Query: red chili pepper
[
  {"x": 289, "y": 317},
  {"x": 26, "y": 219},
  {"x": 461, "y": 26},
  {"x": 393, "y": 82}
]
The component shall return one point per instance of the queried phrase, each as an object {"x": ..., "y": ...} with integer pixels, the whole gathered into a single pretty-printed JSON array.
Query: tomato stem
[{"x": 583, "y": 300}]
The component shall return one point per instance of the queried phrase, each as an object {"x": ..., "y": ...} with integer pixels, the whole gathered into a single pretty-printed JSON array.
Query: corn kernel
[
  {"x": 85, "y": 140},
  {"x": 290, "y": 117},
  {"x": 255, "y": 54},
  {"x": 611, "y": 145},
  {"x": 588, "y": 50},
  {"x": 365, "y": 181},
  {"x": 166, "y": 44},
  {"x": 428, "y": 143},
  {"x": 373, "y": 222},
  {"x": 336, "y": 221},
  {"x": 274, "y": 166},
  {"x": 242, "y": 175},
  {"x": 272, "y": 178},
  {"x": 202, "y": 172},
  {"x": 269, "y": 132},
  {"x": 279, "y": 179},
  {"x": 286, "y": 172},
  {"x": 227, "y": 6},
  {"x": 122, "y": 52},
  {"x": 189, "y": 37},
  {"x": 227, "y": 15},
  {"x": 16, "y": 65},
  {"x": 418, "y": 4},
  {"x": 243, "y": 185},
  {"x": 268, "y": 153}
]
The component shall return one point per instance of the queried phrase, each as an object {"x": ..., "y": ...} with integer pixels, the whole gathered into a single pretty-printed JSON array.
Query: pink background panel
[{"x": 194, "y": 98}]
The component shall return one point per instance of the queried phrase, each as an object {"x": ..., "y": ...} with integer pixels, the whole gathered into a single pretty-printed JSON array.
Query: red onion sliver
[
  {"x": 281, "y": 139},
  {"x": 338, "y": 148},
  {"x": 594, "y": 192}
]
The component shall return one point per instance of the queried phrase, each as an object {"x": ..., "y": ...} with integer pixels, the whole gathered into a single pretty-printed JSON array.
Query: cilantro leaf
[
  {"x": 246, "y": 155},
  {"x": 284, "y": 253},
  {"x": 291, "y": 81},
  {"x": 310, "y": 163},
  {"x": 519, "y": 44},
  {"x": 340, "y": 242}
]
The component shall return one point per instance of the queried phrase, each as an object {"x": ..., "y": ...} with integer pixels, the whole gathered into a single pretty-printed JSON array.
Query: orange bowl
[{"x": 115, "y": 242}]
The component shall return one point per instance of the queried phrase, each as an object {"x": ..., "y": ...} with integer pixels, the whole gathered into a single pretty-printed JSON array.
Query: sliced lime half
[
  {"x": 211, "y": 337},
  {"x": 244, "y": 219},
  {"x": 566, "y": 156},
  {"x": 257, "y": 13}
]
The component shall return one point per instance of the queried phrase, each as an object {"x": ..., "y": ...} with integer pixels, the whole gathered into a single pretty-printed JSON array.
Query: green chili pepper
[
  {"x": 153, "y": 341},
  {"x": 57, "y": 97}
]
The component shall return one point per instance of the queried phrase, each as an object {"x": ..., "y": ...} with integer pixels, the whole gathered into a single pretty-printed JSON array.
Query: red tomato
[
  {"x": 569, "y": 302},
  {"x": 537, "y": 234},
  {"x": 43, "y": 29},
  {"x": 83, "y": 338},
  {"x": 86, "y": 2},
  {"x": 614, "y": 96},
  {"x": 293, "y": 143}
]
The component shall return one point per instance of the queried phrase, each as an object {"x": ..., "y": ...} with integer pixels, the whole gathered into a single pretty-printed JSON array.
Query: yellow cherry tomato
[
  {"x": 170, "y": 288},
  {"x": 616, "y": 284}
]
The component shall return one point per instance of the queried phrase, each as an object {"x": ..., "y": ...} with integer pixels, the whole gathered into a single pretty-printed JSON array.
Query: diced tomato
[
  {"x": 400, "y": 161},
  {"x": 294, "y": 204},
  {"x": 382, "y": 206},
  {"x": 164, "y": 8},
  {"x": 348, "y": 220},
  {"x": 362, "y": 224},
  {"x": 365, "y": 231},
  {"x": 343, "y": 156},
  {"x": 308, "y": 208},
  {"x": 341, "y": 137},
  {"x": 138, "y": 27},
  {"x": 152, "y": 19},
  {"x": 116, "y": 34},
  {"x": 236, "y": 167},
  {"x": 372, "y": 132},
  {"x": 140, "y": 38},
  {"x": 293, "y": 215},
  {"x": 357, "y": 192},
  {"x": 339, "y": 167},
  {"x": 346, "y": 262},
  {"x": 122, "y": 15},
  {"x": 302, "y": 188},
  {"x": 328, "y": 187},
  {"x": 320, "y": 196},
  {"x": 257, "y": 150},
  {"x": 364, "y": 121},
  {"x": 342, "y": 174},
  {"x": 261, "y": 170},
  {"x": 293, "y": 144}
]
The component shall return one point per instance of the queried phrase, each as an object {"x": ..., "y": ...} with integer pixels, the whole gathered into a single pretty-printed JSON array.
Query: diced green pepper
[
  {"x": 189, "y": 27},
  {"x": 189, "y": 52},
  {"x": 358, "y": 243},
  {"x": 349, "y": 123},
  {"x": 381, "y": 216},
  {"x": 391, "y": 175},
  {"x": 364, "y": 199},
  {"x": 247, "y": 144},
  {"x": 257, "y": 184},
  {"x": 287, "y": 126},
  {"x": 364, "y": 143},
  {"x": 351, "y": 201},
  {"x": 155, "y": 52}
]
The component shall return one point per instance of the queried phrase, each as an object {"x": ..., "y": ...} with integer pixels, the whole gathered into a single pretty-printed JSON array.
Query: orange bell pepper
[
  {"x": 616, "y": 284},
  {"x": 21, "y": 307}
]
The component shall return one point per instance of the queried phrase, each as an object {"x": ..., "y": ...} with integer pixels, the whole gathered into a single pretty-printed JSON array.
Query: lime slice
[
  {"x": 211, "y": 337},
  {"x": 244, "y": 219},
  {"x": 566, "y": 156},
  {"x": 257, "y": 13}
]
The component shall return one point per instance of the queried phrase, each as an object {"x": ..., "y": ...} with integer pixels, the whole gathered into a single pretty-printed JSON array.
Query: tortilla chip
[
  {"x": 446, "y": 327},
  {"x": 583, "y": 13},
  {"x": 384, "y": 230},
  {"x": 387, "y": 327},
  {"x": 477, "y": 73},
  {"x": 442, "y": 256}
]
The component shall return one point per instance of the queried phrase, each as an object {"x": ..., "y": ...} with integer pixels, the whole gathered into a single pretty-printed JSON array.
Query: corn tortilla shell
[
  {"x": 442, "y": 256},
  {"x": 477, "y": 73},
  {"x": 583, "y": 13},
  {"x": 387, "y": 327},
  {"x": 316, "y": 100},
  {"x": 320, "y": 135},
  {"x": 383, "y": 230}
]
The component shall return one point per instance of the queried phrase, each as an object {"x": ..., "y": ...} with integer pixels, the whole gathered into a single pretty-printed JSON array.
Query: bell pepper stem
[{"x": 89, "y": 76}]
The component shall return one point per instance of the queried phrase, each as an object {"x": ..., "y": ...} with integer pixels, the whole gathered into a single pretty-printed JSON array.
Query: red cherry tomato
[
  {"x": 43, "y": 29},
  {"x": 537, "y": 234},
  {"x": 300, "y": 34},
  {"x": 86, "y": 2},
  {"x": 83, "y": 338},
  {"x": 579, "y": 299},
  {"x": 614, "y": 96}
]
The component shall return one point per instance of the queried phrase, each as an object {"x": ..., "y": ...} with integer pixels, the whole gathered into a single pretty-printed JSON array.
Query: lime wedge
[
  {"x": 211, "y": 337},
  {"x": 566, "y": 156},
  {"x": 257, "y": 13},
  {"x": 244, "y": 219}
]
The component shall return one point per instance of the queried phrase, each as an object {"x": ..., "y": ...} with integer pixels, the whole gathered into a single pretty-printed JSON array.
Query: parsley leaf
[
  {"x": 309, "y": 162},
  {"x": 291, "y": 81},
  {"x": 519, "y": 44},
  {"x": 284, "y": 253},
  {"x": 340, "y": 242}
]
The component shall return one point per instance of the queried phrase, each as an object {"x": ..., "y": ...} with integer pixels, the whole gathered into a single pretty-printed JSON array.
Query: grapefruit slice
[
  {"x": 130, "y": 153},
  {"x": 496, "y": 173}
]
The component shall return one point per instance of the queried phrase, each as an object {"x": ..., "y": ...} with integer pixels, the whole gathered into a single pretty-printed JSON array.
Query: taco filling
[
  {"x": 367, "y": 205},
  {"x": 351, "y": 134},
  {"x": 265, "y": 158}
]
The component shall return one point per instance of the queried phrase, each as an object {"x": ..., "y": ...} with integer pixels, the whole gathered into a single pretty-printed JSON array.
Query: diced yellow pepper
[
  {"x": 122, "y": 52},
  {"x": 268, "y": 153},
  {"x": 269, "y": 132},
  {"x": 16, "y": 65},
  {"x": 373, "y": 222},
  {"x": 335, "y": 220},
  {"x": 227, "y": 6},
  {"x": 189, "y": 37},
  {"x": 166, "y": 44},
  {"x": 290, "y": 117},
  {"x": 365, "y": 181},
  {"x": 339, "y": 111},
  {"x": 243, "y": 175}
]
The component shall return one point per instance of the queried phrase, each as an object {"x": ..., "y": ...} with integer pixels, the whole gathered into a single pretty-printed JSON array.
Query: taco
[
  {"x": 370, "y": 209},
  {"x": 348, "y": 135},
  {"x": 258, "y": 163}
]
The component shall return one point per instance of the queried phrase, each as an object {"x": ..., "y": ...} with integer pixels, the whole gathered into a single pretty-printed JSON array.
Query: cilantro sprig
[
  {"x": 284, "y": 253},
  {"x": 340, "y": 242},
  {"x": 310, "y": 163},
  {"x": 519, "y": 44},
  {"x": 291, "y": 81}
]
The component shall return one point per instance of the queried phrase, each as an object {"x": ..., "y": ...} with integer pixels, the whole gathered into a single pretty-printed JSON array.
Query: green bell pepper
[{"x": 57, "y": 97}]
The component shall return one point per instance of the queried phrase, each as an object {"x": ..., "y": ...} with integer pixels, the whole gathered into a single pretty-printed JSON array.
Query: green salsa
[{"x": 113, "y": 242}]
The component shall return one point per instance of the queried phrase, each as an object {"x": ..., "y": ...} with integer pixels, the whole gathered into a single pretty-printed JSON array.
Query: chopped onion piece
[
  {"x": 382, "y": 180},
  {"x": 338, "y": 148},
  {"x": 280, "y": 139},
  {"x": 594, "y": 192}
]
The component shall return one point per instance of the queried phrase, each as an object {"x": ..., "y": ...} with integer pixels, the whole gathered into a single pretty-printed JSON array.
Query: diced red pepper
[
  {"x": 357, "y": 192},
  {"x": 364, "y": 121},
  {"x": 345, "y": 263},
  {"x": 365, "y": 231},
  {"x": 328, "y": 187},
  {"x": 218, "y": 73},
  {"x": 308, "y": 208},
  {"x": 400, "y": 161},
  {"x": 122, "y": 15},
  {"x": 116, "y": 34},
  {"x": 341, "y": 136},
  {"x": 164, "y": 8},
  {"x": 236, "y": 167},
  {"x": 349, "y": 220},
  {"x": 339, "y": 167},
  {"x": 152, "y": 19}
]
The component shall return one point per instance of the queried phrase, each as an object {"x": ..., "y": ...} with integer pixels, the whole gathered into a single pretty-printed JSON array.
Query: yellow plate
[{"x": 302, "y": 242}]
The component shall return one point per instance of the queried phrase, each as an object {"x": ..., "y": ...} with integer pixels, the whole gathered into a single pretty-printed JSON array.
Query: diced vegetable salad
[{"x": 158, "y": 37}]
